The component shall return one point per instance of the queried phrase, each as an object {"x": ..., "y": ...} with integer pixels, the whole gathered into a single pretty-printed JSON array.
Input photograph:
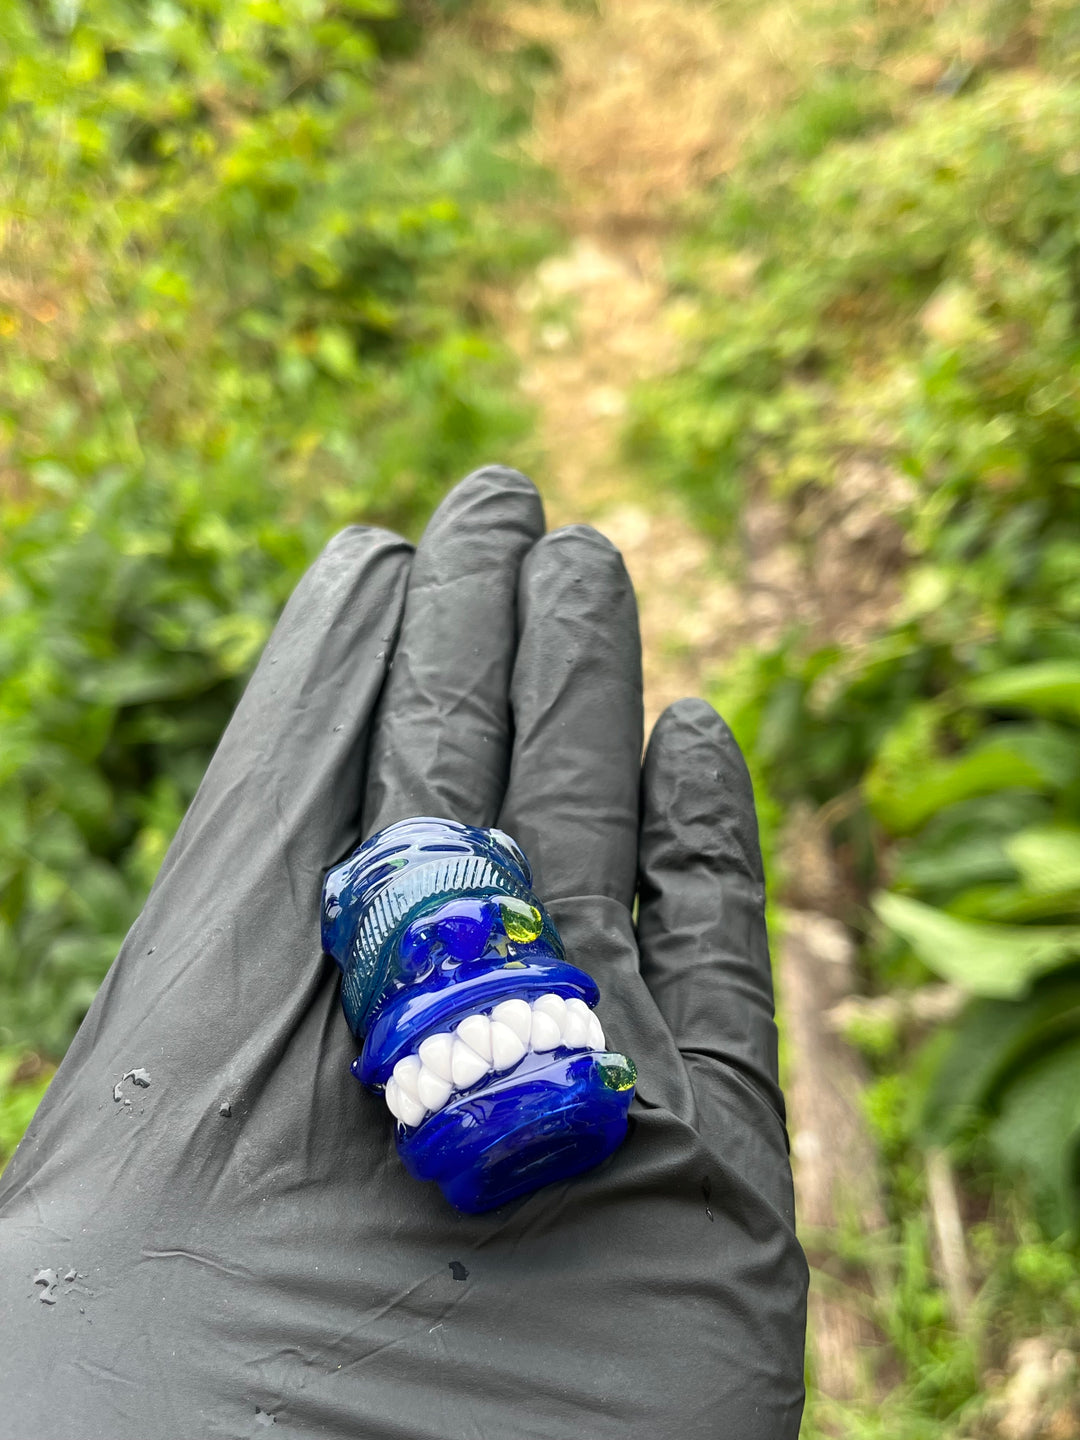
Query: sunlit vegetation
[
  {"x": 243, "y": 249},
  {"x": 890, "y": 279}
]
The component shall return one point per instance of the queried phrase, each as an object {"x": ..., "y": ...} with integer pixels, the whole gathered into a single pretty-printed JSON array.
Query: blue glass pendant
[{"x": 479, "y": 1032}]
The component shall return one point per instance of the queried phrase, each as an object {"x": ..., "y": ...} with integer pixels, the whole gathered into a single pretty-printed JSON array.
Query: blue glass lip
[
  {"x": 546, "y": 1120},
  {"x": 411, "y": 1014}
]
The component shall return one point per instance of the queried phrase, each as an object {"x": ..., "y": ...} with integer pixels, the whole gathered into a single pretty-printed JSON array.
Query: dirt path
[
  {"x": 650, "y": 103},
  {"x": 651, "y": 100},
  {"x": 578, "y": 374},
  {"x": 635, "y": 119}
]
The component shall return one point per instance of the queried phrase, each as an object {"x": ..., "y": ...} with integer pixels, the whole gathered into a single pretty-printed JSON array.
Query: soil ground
[{"x": 648, "y": 105}]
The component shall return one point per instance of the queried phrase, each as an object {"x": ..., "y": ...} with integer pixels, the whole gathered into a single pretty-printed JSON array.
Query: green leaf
[
  {"x": 964, "y": 845},
  {"x": 991, "y": 960},
  {"x": 236, "y": 641},
  {"x": 1013, "y": 904},
  {"x": 1047, "y": 857},
  {"x": 134, "y": 679},
  {"x": 1039, "y": 1132},
  {"x": 1049, "y": 687},
  {"x": 905, "y": 794},
  {"x": 17, "y": 1102},
  {"x": 993, "y": 1042}
]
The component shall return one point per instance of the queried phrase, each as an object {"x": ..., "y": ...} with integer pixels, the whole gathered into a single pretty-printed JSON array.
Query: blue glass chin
[{"x": 480, "y": 1034}]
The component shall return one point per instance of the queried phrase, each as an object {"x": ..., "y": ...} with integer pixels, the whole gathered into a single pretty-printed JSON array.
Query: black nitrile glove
[{"x": 248, "y": 1247}]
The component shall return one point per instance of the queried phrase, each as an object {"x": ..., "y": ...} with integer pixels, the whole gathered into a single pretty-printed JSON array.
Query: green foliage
[
  {"x": 1052, "y": 687},
  {"x": 911, "y": 294},
  {"x": 894, "y": 275},
  {"x": 993, "y": 960},
  {"x": 1004, "y": 911},
  {"x": 902, "y": 287},
  {"x": 239, "y": 279},
  {"x": 19, "y": 1098}
]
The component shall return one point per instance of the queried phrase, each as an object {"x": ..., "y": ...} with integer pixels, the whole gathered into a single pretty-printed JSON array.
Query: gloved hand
[{"x": 248, "y": 1247}]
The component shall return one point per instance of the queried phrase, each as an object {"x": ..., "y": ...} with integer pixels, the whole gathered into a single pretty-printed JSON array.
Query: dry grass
[
  {"x": 649, "y": 104},
  {"x": 654, "y": 101},
  {"x": 587, "y": 326}
]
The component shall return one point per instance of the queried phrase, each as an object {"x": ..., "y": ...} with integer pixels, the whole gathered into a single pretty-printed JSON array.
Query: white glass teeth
[
  {"x": 578, "y": 1007},
  {"x": 475, "y": 1030},
  {"x": 516, "y": 1015},
  {"x": 546, "y": 1034},
  {"x": 553, "y": 1005},
  {"x": 466, "y": 1064},
  {"x": 575, "y": 1033},
  {"x": 403, "y": 1107},
  {"x": 406, "y": 1074},
  {"x": 596, "y": 1034},
  {"x": 506, "y": 1047},
  {"x": 452, "y": 1061},
  {"x": 435, "y": 1053},
  {"x": 433, "y": 1090}
]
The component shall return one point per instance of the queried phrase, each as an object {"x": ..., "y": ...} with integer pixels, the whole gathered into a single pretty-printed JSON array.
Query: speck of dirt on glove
[
  {"x": 138, "y": 1076},
  {"x": 225, "y": 1109},
  {"x": 47, "y": 1279},
  {"x": 458, "y": 1271}
]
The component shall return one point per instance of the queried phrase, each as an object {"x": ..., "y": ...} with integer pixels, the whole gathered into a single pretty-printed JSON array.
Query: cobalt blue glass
[{"x": 480, "y": 1033}]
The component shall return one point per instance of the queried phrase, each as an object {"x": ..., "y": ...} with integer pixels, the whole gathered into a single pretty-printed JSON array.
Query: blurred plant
[
  {"x": 23, "y": 1081},
  {"x": 238, "y": 304},
  {"x": 896, "y": 276}
]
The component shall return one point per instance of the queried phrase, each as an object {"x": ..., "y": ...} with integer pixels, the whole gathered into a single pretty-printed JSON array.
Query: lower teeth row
[{"x": 482, "y": 1044}]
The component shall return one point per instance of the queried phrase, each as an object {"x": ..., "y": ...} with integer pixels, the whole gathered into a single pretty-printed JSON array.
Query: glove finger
[
  {"x": 572, "y": 801},
  {"x": 442, "y": 738},
  {"x": 291, "y": 757},
  {"x": 702, "y": 936}
]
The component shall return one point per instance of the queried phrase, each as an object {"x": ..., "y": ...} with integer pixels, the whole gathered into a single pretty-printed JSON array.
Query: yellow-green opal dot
[
  {"x": 619, "y": 1072},
  {"x": 521, "y": 921}
]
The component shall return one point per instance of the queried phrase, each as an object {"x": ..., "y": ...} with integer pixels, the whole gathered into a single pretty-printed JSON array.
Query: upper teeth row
[{"x": 456, "y": 1060}]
